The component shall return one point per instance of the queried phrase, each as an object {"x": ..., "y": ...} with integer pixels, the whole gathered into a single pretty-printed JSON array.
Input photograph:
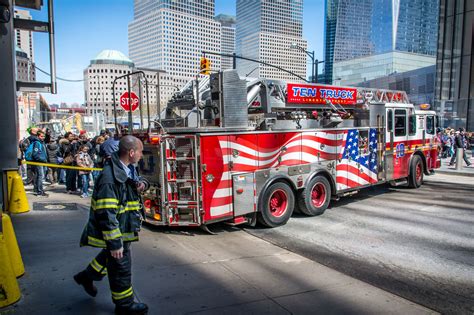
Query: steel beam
[{"x": 8, "y": 102}]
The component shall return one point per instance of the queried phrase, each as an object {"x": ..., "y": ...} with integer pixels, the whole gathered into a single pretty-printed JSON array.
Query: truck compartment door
[{"x": 243, "y": 192}]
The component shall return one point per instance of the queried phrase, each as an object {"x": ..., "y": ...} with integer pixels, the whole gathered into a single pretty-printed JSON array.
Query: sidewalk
[
  {"x": 182, "y": 271},
  {"x": 465, "y": 171}
]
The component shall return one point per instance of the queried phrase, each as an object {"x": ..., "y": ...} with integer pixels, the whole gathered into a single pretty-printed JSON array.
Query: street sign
[{"x": 133, "y": 99}]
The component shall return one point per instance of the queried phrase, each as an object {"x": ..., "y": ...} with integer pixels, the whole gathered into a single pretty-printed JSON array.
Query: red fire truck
[{"x": 242, "y": 151}]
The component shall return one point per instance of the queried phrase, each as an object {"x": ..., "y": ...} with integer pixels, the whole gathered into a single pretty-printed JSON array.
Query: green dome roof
[{"x": 112, "y": 57}]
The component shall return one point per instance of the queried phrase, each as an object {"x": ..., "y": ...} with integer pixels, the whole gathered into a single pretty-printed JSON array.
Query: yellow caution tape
[{"x": 62, "y": 166}]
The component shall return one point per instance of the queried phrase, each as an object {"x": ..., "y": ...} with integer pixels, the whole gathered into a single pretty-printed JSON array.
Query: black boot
[
  {"x": 133, "y": 309},
  {"x": 82, "y": 279}
]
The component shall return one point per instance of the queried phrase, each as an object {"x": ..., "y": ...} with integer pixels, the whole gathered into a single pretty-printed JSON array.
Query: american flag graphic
[
  {"x": 354, "y": 151},
  {"x": 264, "y": 151},
  {"x": 358, "y": 165}
]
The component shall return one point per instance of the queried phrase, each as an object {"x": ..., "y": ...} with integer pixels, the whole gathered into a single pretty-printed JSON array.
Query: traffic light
[{"x": 205, "y": 66}]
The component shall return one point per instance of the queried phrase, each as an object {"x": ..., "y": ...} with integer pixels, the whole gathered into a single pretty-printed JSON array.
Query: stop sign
[{"x": 133, "y": 99}]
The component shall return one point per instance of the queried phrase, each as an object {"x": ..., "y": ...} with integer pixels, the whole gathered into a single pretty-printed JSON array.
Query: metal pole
[
  {"x": 140, "y": 102},
  {"x": 316, "y": 74},
  {"x": 9, "y": 117},
  {"x": 115, "y": 108},
  {"x": 130, "y": 119},
  {"x": 158, "y": 96},
  {"x": 52, "y": 51},
  {"x": 234, "y": 61},
  {"x": 459, "y": 158},
  {"x": 147, "y": 105},
  {"x": 257, "y": 61},
  {"x": 198, "y": 113},
  {"x": 312, "y": 68}
]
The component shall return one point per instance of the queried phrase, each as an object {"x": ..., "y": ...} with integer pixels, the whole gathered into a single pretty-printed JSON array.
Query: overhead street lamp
[{"x": 314, "y": 62}]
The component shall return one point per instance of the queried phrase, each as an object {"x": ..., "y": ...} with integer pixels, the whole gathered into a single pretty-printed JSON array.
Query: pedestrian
[
  {"x": 38, "y": 154},
  {"x": 52, "y": 149},
  {"x": 471, "y": 143},
  {"x": 451, "y": 139},
  {"x": 83, "y": 159},
  {"x": 98, "y": 161},
  {"x": 24, "y": 144},
  {"x": 69, "y": 150},
  {"x": 459, "y": 143},
  {"x": 114, "y": 221},
  {"x": 108, "y": 147}
]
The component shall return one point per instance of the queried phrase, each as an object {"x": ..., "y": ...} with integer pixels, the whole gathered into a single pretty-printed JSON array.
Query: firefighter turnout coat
[{"x": 115, "y": 213}]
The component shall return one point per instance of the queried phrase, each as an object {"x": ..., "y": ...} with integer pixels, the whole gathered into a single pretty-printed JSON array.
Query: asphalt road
[{"x": 416, "y": 243}]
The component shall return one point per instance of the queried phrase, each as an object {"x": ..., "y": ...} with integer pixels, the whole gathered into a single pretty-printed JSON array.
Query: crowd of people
[
  {"x": 450, "y": 140},
  {"x": 68, "y": 150}
]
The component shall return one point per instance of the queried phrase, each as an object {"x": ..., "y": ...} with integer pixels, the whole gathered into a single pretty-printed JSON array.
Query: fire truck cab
[{"x": 242, "y": 151}]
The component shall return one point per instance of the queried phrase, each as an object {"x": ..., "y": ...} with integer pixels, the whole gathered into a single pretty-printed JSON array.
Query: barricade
[
  {"x": 68, "y": 167},
  {"x": 9, "y": 288},
  {"x": 12, "y": 246},
  {"x": 17, "y": 202},
  {"x": 10, "y": 175}
]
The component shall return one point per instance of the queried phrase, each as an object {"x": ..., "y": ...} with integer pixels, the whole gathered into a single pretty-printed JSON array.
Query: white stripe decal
[
  {"x": 215, "y": 211},
  {"x": 222, "y": 192}
]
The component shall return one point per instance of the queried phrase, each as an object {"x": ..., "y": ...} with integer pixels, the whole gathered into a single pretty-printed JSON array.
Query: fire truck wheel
[
  {"x": 415, "y": 178},
  {"x": 276, "y": 205},
  {"x": 314, "y": 199}
]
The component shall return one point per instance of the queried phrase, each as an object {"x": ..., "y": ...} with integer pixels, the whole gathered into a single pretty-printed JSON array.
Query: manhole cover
[{"x": 55, "y": 206}]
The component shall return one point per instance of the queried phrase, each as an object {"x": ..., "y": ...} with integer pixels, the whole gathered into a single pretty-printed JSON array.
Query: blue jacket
[
  {"x": 39, "y": 151},
  {"x": 108, "y": 147}
]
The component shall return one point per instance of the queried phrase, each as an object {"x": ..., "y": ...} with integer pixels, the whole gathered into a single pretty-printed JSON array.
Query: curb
[{"x": 453, "y": 172}]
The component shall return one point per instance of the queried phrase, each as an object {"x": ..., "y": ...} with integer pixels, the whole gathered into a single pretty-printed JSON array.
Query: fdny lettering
[
  {"x": 304, "y": 92},
  {"x": 341, "y": 94}
]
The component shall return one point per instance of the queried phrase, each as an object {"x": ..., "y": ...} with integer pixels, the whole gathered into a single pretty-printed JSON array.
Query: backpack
[
  {"x": 24, "y": 144},
  {"x": 29, "y": 152}
]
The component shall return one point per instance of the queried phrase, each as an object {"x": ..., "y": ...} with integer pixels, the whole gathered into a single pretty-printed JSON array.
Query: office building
[
  {"x": 355, "y": 29},
  {"x": 355, "y": 71},
  {"x": 405, "y": 25},
  {"x": 265, "y": 31},
  {"x": 227, "y": 39},
  {"x": 171, "y": 35},
  {"x": 346, "y": 32},
  {"x": 454, "y": 92},
  {"x": 25, "y": 69},
  {"x": 419, "y": 84},
  {"x": 99, "y": 79},
  {"x": 24, "y": 39}
]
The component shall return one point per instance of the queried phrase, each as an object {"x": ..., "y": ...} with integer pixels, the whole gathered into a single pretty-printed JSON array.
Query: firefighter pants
[{"x": 119, "y": 272}]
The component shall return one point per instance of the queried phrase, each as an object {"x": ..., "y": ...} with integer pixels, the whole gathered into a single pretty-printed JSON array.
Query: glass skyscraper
[
  {"x": 454, "y": 92},
  {"x": 265, "y": 31},
  {"x": 347, "y": 32},
  {"x": 405, "y": 25},
  {"x": 357, "y": 28}
]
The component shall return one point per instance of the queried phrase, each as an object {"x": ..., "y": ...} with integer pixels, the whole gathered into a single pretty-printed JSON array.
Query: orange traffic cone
[
  {"x": 9, "y": 289},
  {"x": 12, "y": 246},
  {"x": 18, "y": 202}
]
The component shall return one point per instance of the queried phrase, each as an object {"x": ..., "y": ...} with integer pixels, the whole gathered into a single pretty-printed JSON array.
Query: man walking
[
  {"x": 459, "y": 142},
  {"x": 37, "y": 151},
  {"x": 114, "y": 221}
]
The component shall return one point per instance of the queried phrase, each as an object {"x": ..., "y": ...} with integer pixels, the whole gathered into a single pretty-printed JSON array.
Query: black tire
[
  {"x": 276, "y": 205},
  {"x": 315, "y": 197},
  {"x": 415, "y": 177}
]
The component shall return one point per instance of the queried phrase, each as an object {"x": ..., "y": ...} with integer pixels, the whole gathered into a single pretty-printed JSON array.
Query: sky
[{"x": 84, "y": 28}]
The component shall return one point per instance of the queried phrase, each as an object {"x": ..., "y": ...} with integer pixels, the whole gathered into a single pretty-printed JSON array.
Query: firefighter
[{"x": 114, "y": 221}]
